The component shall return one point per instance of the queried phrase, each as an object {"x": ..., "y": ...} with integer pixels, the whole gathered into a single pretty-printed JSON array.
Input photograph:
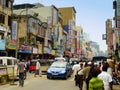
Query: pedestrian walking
[
  {"x": 79, "y": 76},
  {"x": 38, "y": 69},
  {"x": 106, "y": 77},
  {"x": 96, "y": 83},
  {"x": 25, "y": 71},
  {"x": 75, "y": 68},
  {"x": 87, "y": 73},
  {"x": 21, "y": 68}
]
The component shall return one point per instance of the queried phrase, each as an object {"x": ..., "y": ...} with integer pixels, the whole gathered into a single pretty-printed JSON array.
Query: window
[
  {"x": 8, "y": 3},
  {"x": 2, "y": 18},
  {"x": 1, "y": 62},
  {"x": 9, "y": 21},
  {"x": 15, "y": 62},
  {"x": 9, "y": 61}
]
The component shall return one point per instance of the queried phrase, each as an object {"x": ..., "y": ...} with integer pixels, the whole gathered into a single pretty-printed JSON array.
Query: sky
[{"x": 91, "y": 15}]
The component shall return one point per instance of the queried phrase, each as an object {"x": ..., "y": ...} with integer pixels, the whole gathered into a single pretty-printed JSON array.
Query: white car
[{"x": 60, "y": 59}]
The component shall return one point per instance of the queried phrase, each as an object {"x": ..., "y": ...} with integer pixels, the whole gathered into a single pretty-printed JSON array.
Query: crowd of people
[{"x": 96, "y": 76}]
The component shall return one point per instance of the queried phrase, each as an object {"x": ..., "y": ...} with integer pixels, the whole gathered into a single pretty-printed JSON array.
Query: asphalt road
[{"x": 42, "y": 83}]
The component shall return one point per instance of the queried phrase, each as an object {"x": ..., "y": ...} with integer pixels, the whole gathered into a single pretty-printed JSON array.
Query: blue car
[{"x": 59, "y": 70}]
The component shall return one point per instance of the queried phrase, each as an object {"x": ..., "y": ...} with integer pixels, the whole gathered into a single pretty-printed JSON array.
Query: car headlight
[
  {"x": 48, "y": 70},
  {"x": 63, "y": 71}
]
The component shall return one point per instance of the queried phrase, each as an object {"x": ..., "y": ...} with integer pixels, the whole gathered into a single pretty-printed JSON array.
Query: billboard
[
  {"x": 118, "y": 13},
  {"x": 2, "y": 44},
  {"x": 55, "y": 15},
  {"x": 14, "y": 30}
]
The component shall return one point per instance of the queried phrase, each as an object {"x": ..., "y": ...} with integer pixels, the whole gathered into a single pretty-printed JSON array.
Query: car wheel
[
  {"x": 69, "y": 75},
  {"x": 66, "y": 77},
  {"x": 49, "y": 77},
  {"x": 4, "y": 79}
]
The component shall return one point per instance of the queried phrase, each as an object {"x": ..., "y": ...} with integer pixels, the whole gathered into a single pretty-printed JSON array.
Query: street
[{"x": 42, "y": 83}]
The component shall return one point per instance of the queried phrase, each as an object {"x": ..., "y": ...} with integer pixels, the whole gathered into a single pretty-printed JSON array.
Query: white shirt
[
  {"x": 75, "y": 68},
  {"x": 37, "y": 65},
  {"x": 80, "y": 72},
  {"x": 106, "y": 77},
  {"x": 110, "y": 71}
]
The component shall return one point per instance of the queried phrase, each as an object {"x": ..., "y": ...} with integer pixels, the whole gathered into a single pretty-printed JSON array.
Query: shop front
[
  {"x": 25, "y": 52},
  {"x": 11, "y": 48}
]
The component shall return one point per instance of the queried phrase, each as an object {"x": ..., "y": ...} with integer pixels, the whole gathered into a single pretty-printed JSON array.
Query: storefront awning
[{"x": 4, "y": 29}]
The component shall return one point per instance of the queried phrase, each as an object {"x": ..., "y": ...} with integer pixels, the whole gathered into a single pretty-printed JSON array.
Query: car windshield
[
  {"x": 59, "y": 64},
  {"x": 59, "y": 59},
  {"x": 32, "y": 63},
  {"x": 74, "y": 59}
]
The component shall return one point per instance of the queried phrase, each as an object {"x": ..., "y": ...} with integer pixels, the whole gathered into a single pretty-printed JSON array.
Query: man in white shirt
[
  {"x": 75, "y": 68},
  {"x": 106, "y": 77},
  {"x": 38, "y": 71},
  {"x": 80, "y": 76}
]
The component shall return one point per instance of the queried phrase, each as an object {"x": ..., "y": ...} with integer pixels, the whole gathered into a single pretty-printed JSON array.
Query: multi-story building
[
  {"x": 109, "y": 34},
  {"x": 69, "y": 23},
  {"x": 54, "y": 30},
  {"x": 95, "y": 48},
  {"x": 79, "y": 41},
  {"x": 5, "y": 27},
  {"x": 52, "y": 39},
  {"x": 36, "y": 31},
  {"x": 116, "y": 7}
]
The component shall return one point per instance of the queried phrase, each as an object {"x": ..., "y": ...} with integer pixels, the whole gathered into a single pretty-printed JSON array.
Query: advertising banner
[
  {"x": 118, "y": 13},
  {"x": 24, "y": 48},
  {"x": 55, "y": 16},
  {"x": 46, "y": 50},
  {"x": 39, "y": 48},
  {"x": 49, "y": 21},
  {"x": 53, "y": 52},
  {"x": 35, "y": 51},
  {"x": 14, "y": 30},
  {"x": 11, "y": 45},
  {"x": 2, "y": 44},
  {"x": 33, "y": 25},
  {"x": 118, "y": 7}
]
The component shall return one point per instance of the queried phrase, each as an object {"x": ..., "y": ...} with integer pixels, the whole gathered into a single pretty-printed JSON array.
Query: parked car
[
  {"x": 59, "y": 70},
  {"x": 10, "y": 62}
]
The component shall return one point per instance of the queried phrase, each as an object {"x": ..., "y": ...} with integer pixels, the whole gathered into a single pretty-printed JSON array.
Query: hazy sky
[{"x": 91, "y": 15}]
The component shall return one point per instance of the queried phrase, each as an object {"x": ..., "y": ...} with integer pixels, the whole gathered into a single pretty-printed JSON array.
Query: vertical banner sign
[
  {"x": 55, "y": 16},
  {"x": 49, "y": 21},
  {"x": 2, "y": 44},
  {"x": 14, "y": 30},
  {"x": 118, "y": 13}
]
